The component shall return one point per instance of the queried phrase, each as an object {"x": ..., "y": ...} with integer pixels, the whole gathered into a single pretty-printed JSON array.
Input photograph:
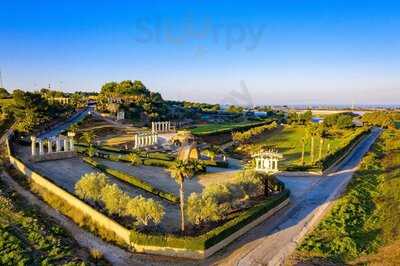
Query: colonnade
[
  {"x": 145, "y": 139},
  {"x": 63, "y": 144},
  {"x": 161, "y": 126}
]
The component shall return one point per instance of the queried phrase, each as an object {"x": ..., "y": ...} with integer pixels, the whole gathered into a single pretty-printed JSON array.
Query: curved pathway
[{"x": 274, "y": 240}]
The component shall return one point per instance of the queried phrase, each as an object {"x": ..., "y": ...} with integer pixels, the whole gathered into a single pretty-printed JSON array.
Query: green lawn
[
  {"x": 213, "y": 128},
  {"x": 397, "y": 124},
  {"x": 289, "y": 142}
]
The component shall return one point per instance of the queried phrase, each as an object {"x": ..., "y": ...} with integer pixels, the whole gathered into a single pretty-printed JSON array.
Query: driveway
[{"x": 275, "y": 239}]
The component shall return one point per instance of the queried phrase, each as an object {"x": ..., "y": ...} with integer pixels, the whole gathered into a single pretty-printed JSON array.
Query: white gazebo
[{"x": 267, "y": 161}]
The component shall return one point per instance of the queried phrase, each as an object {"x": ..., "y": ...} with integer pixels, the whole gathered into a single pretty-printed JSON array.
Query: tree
[
  {"x": 88, "y": 138},
  {"x": 90, "y": 186},
  {"x": 322, "y": 133},
  {"x": 4, "y": 93},
  {"x": 311, "y": 131},
  {"x": 114, "y": 199},
  {"x": 145, "y": 210},
  {"x": 219, "y": 192},
  {"x": 303, "y": 149},
  {"x": 202, "y": 209},
  {"x": 180, "y": 171},
  {"x": 134, "y": 159}
]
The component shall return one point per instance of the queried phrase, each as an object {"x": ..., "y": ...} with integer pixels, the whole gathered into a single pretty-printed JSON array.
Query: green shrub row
[
  {"x": 158, "y": 163},
  {"x": 332, "y": 158},
  {"x": 132, "y": 180},
  {"x": 219, "y": 164},
  {"x": 209, "y": 239}
]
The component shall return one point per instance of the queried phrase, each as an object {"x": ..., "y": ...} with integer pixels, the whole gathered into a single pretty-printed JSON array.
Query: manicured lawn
[
  {"x": 210, "y": 128},
  {"x": 289, "y": 142}
]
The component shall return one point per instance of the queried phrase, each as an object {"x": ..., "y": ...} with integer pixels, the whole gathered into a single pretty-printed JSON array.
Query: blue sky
[{"x": 283, "y": 52}]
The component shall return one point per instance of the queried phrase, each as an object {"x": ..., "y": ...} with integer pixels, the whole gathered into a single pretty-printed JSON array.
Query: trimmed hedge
[
  {"x": 331, "y": 159},
  {"x": 209, "y": 239},
  {"x": 133, "y": 180},
  {"x": 219, "y": 164},
  {"x": 158, "y": 163},
  {"x": 232, "y": 129}
]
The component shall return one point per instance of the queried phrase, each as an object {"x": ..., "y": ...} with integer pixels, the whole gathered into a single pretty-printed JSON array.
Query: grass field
[
  {"x": 289, "y": 142},
  {"x": 212, "y": 128},
  {"x": 397, "y": 124},
  {"x": 362, "y": 227}
]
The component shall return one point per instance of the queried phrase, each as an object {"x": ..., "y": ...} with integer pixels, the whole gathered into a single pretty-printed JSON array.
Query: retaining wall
[{"x": 123, "y": 232}]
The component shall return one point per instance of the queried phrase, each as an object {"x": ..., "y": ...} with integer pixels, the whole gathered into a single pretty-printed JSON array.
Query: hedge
[
  {"x": 219, "y": 164},
  {"x": 331, "y": 159},
  {"x": 232, "y": 129},
  {"x": 158, "y": 163},
  {"x": 216, "y": 235},
  {"x": 133, "y": 180}
]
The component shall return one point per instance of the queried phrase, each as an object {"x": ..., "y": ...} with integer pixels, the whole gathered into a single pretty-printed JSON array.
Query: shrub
[
  {"x": 90, "y": 186},
  {"x": 96, "y": 254},
  {"x": 219, "y": 192},
  {"x": 145, "y": 210},
  {"x": 114, "y": 199},
  {"x": 202, "y": 209},
  {"x": 134, "y": 159}
]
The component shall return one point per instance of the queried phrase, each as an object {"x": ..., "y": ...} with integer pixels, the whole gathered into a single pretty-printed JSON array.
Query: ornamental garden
[{"x": 164, "y": 177}]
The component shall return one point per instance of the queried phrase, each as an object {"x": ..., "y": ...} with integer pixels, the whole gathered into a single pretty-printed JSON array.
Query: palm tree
[
  {"x": 88, "y": 137},
  {"x": 322, "y": 134},
  {"x": 134, "y": 159},
  {"x": 180, "y": 171},
  {"x": 303, "y": 150},
  {"x": 312, "y": 130}
]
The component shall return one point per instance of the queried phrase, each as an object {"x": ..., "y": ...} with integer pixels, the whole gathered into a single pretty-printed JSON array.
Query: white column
[
  {"x": 33, "y": 145},
  {"x": 49, "y": 146},
  {"x": 71, "y": 144},
  {"x": 58, "y": 144},
  {"x": 276, "y": 164},
  {"x": 169, "y": 126},
  {"x": 65, "y": 144},
  {"x": 41, "y": 151},
  {"x": 152, "y": 126},
  {"x": 136, "y": 141}
]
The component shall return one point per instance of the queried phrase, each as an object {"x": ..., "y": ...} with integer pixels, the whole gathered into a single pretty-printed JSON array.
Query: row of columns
[
  {"x": 161, "y": 126},
  {"x": 62, "y": 145},
  {"x": 143, "y": 140},
  {"x": 266, "y": 164}
]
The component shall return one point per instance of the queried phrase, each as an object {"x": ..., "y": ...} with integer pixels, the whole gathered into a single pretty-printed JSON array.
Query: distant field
[
  {"x": 288, "y": 141},
  {"x": 215, "y": 128}
]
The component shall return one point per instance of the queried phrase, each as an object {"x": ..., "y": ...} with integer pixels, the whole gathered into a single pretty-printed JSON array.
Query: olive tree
[
  {"x": 90, "y": 186},
  {"x": 114, "y": 199},
  {"x": 145, "y": 210},
  {"x": 202, "y": 209}
]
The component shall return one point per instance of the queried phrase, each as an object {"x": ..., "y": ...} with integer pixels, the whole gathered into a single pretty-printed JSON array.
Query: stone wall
[
  {"x": 98, "y": 217},
  {"x": 123, "y": 232}
]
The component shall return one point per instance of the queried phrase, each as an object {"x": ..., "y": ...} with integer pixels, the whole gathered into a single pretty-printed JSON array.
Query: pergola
[{"x": 267, "y": 161}]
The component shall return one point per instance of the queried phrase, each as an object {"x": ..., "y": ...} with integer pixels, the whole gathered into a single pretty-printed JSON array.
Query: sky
[{"x": 237, "y": 52}]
